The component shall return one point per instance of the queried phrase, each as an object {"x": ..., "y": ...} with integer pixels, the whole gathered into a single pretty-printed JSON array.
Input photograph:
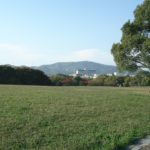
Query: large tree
[{"x": 133, "y": 51}]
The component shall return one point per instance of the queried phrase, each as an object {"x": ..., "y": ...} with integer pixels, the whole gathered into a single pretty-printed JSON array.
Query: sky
[{"x": 37, "y": 32}]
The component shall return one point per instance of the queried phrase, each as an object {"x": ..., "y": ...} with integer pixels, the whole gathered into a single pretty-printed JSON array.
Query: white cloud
[
  {"x": 85, "y": 54},
  {"x": 20, "y": 55},
  {"x": 94, "y": 55}
]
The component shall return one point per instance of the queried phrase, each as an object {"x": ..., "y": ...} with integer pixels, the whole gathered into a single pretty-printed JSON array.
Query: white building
[{"x": 85, "y": 73}]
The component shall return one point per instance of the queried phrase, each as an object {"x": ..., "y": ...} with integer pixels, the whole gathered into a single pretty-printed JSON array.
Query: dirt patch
[
  {"x": 146, "y": 147},
  {"x": 143, "y": 144}
]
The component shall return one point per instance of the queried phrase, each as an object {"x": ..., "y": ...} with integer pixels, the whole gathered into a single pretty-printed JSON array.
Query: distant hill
[{"x": 70, "y": 67}]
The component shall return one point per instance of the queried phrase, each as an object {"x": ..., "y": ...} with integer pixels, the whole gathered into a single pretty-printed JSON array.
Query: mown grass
[{"x": 72, "y": 118}]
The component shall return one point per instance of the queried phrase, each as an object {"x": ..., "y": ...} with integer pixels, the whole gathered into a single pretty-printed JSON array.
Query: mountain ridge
[{"x": 70, "y": 67}]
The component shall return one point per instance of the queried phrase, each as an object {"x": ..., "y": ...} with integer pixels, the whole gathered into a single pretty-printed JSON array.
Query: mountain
[{"x": 70, "y": 67}]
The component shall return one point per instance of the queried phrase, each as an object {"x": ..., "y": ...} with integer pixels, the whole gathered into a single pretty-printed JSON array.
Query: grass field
[{"x": 72, "y": 118}]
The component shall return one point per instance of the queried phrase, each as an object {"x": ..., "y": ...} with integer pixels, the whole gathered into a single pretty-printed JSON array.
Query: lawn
[{"x": 72, "y": 118}]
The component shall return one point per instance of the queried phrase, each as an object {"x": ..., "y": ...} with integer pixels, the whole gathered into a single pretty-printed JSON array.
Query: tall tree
[{"x": 133, "y": 51}]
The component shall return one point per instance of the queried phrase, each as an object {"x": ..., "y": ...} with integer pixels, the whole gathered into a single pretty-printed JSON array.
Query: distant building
[
  {"x": 110, "y": 74},
  {"x": 85, "y": 73}
]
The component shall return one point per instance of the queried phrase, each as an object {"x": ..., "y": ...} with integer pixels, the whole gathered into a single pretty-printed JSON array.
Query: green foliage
[
  {"x": 57, "y": 79},
  {"x": 145, "y": 81},
  {"x": 133, "y": 52},
  {"x": 99, "y": 81},
  {"x": 120, "y": 81},
  {"x": 131, "y": 81},
  {"x": 103, "y": 80},
  {"x": 74, "y": 118},
  {"x": 22, "y": 75},
  {"x": 65, "y": 80},
  {"x": 126, "y": 82},
  {"x": 28, "y": 76},
  {"x": 143, "y": 78},
  {"x": 110, "y": 81}
]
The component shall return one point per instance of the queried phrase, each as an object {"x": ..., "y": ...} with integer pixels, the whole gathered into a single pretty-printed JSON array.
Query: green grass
[{"x": 72, "y": 118}]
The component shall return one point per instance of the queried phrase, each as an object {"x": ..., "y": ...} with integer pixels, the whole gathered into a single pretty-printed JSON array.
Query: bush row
[
  {"x": 141, "y": 79},
  {"x": 28, "y": 76},
  {"x": 22, "y": 75}
]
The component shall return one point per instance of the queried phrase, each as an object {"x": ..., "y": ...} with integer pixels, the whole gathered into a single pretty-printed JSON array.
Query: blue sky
[{"x": 36, "y": 32}]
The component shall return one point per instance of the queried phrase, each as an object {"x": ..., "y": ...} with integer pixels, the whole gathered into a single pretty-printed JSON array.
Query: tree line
[
  {"x": 22, "y": 75},
  {"x": 28, "y": 76},
  {"x": 142, "y": 78}
]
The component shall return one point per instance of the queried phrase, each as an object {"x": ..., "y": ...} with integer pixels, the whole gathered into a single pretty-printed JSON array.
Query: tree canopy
[
  {"x": 133, "y": 51},
  {"x": 22, "y": 75}
]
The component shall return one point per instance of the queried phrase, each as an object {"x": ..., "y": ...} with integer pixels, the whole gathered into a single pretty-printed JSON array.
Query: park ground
[{"x": 72, "y": 118}]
